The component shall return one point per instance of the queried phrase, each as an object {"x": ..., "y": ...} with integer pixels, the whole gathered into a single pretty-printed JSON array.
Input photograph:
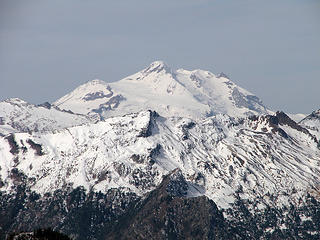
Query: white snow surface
[
  {"x": 194, "y": 94},
  {"x": 17, "y": 115},
  {"x": 220, "y": 154}
]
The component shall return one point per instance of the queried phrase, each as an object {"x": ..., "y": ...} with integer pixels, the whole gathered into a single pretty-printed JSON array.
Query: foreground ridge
[{"x": 223, "y": 155}]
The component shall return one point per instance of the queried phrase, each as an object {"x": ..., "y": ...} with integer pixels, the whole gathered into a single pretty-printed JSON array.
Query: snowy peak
[
  {"x": 157, "y": 67},
  {"x": 194, "y": 94}
]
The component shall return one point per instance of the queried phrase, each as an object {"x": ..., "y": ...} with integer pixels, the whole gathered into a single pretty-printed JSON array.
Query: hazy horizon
[{"x": 48, "y": 48}]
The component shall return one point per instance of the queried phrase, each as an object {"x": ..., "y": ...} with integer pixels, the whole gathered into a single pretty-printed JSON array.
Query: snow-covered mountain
[
  {"x": 220, "y": 155},
  {"x": 312, "y": 123},
  {"x": 170, "y": 92},
  {"x": 147, "y": 154},
  {"x": 17, "y": 115}
]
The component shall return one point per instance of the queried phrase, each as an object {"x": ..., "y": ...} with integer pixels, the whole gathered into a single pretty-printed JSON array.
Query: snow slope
[
  {"x": 17, "y": 115},
  {"x": 254, "y": 156},
  {"x": 193, "y": 94}
]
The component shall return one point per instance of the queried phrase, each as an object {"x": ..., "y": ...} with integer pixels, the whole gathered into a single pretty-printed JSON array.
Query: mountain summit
[
  {"x": 194, "y": 94},
  {"x": 157, "y": 66}
]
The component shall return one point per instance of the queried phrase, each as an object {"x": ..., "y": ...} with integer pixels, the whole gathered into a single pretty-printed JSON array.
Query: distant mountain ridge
[{"x": 185, "y": 93}]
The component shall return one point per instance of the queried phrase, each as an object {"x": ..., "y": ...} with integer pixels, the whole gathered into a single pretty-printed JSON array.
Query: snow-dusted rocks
[
  {"x": 312, "y": 123},
  {"x": 221, "y": 155},
  {"x": 193, "y": 94},
  {"x": 17, "y": 115}
]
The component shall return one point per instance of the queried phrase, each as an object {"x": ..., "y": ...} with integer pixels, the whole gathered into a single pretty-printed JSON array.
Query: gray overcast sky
[{"x": 271, "y": 48}]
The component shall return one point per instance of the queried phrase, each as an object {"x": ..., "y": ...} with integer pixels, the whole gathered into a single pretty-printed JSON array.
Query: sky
[{"x": 271, "y": 48}]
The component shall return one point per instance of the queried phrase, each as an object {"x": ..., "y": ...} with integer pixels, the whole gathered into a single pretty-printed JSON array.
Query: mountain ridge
[
  {"x": 257, "y": 154},
  {"x": 16, "y": 115}
]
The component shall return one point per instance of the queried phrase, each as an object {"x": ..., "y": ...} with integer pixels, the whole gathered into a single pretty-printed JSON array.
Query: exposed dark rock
[
  {"x": 154, "y": 153},
  {"x": 45, "y": 105},
  {"x": 103, "y": 175},
  {"x": 157, "y": 67},
  {"x": 37, "y": 147},
  {"x": 17, "y": 176},
  {"x": 222, "y": 75},
  {"x": 283, "y": 119},
  {"x": 147, "y": 131},
  {"x": 39, "y": 234},
  {"x": 13, "y": 144},
  {"x": 176, "y": 184},
  {"x": 150, "y": 158},
  {"x": 274, "y": 120},
  {"x": 142, "y": 179},
  {"x": 122, "y": 169},
  {"x": 196, "y": 80},
  {"x": 137, "y": 158},
  {"x": 97, "y": 95},
  {"x": 185, "y": 130},
  {"x": 282, "y": 133},
  {"x": 253, "y": 118},
  {"x": 112, "y": 103}
]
